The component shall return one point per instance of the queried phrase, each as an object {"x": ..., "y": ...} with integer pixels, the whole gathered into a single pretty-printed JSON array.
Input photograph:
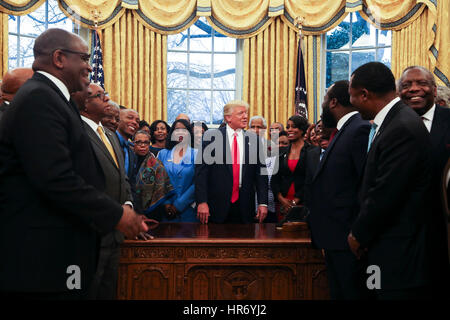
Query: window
[
  {"x": 201, "y": 73},
  {"x": 367, "y": 44},
  {"x": 24, "y": 29}
]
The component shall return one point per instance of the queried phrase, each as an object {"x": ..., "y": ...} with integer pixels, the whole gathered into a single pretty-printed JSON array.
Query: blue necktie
[
  {"x": 371, "y": 134},
  {"x": 322, "y": 152}
]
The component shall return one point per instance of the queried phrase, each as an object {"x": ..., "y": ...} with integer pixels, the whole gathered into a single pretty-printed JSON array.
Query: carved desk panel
[{"x": 210, "y": 262}]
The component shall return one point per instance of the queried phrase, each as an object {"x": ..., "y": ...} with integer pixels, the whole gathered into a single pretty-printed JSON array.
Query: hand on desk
[
  {"x": 131, "y": 223},
  {"x": 203, "y": 212},
  {"x": 261, "y": 214}
]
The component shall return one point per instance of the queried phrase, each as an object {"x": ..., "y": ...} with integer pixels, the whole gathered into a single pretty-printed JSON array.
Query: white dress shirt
[
  {"x": 381, "y": 115},
  {"x": 344, "y": 119},
  {"x": 94, "y": 126},
  {"x": 428, "y": 117}
]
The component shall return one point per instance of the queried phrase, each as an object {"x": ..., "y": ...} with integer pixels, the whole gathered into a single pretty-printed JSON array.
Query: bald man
[
  {"x": 53, "y": 209},
  {"x": 183, "y": 116},
  {"x": 12, "y": 81}
]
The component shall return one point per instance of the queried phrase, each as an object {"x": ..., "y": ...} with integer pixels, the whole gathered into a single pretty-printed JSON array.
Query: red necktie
[
  {"x": 235, "y": 154},
  {"x": 333, "y": 134}
]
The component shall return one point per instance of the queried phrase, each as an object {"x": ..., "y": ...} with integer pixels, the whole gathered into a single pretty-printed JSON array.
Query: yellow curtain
[
  {"x": 135, "y": 65},
  {"x": 312, "y": 56},
  {"x": 269, "y": 72},
  {"x": 410, "y": 45},
  {"x": 4, "y": 43}
]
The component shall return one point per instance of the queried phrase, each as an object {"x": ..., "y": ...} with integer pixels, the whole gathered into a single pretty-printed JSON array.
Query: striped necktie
[
  {"x": 373, "y": 129},
  {"x": 107, "y": 144}
]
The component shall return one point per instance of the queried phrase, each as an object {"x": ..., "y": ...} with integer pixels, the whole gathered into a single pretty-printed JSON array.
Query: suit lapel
[
  {"x": 331, "y": 145},
  {"x": 96, "y": 140},
  {"x": 439, "y": 127},
  {"x": 227, "y": 151},
  {"x": 72, "y": 106},
  {"x": 385, "y": 123},
  {"x": 116, "y": 146}
]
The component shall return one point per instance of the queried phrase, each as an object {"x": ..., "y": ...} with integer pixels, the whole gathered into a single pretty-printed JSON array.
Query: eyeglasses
[
  {"x": 142, "y": 143},
  {"x": 83, "y": 55},
  {"x": 100, "y": 95}
]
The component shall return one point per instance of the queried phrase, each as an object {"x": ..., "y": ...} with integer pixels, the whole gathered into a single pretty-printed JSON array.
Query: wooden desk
[{"x": 210, "y": 262}]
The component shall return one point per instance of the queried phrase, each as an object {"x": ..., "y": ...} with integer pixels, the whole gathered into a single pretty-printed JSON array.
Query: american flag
[
  {"x": 300, "y": 86},
  {"x": 97, "y": 75}
]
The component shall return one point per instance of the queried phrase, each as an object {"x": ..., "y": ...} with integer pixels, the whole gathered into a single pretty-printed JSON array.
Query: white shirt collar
[
  {"x": 231, "y": 131},
  {"x": 428, "y": 117},
  {"x": 381, "y": 115},
  {"x": 61, "y": 86},
  {"x": 92, "y": 123},
  {"x": 344, "y": 119}
]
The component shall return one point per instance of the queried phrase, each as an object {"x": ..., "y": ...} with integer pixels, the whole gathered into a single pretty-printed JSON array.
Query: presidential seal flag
[
  {"x": 97, "y": 75},
  {"x": 300, "y": 85}
]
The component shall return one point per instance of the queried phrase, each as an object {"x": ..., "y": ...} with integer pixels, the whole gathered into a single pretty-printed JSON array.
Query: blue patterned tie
[{"x": 371, "y": 134}]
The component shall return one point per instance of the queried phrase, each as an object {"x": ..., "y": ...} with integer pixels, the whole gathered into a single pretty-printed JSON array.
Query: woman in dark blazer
[{"x": 288, "y": 183}]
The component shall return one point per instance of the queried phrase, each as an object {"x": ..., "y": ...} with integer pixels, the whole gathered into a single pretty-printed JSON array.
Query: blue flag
[
  {"x": 97, "y": 75},
  {"x": 300, "y": 86}
]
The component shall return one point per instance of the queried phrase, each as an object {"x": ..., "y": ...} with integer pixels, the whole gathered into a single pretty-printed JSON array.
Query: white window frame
[
  {"x": 350, "y": 50},
  {"x": 238, "y": 71}
]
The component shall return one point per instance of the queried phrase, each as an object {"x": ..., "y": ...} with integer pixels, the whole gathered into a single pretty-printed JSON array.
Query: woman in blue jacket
[{"x": 179, "y": 160}]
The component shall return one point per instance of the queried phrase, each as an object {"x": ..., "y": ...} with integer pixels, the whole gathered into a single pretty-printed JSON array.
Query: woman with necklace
[{"x": 288, "y": 183}]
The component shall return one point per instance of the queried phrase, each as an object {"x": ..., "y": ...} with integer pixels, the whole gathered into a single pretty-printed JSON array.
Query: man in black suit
[
  {"x": 334, "y": 192},
  {"x": 229, "y": 170},
  {"x": 51, "y": 206},
  {"x": 93, "y": 104},
  {"x": 392, "y": 223},
  {"x": 417, "y": 88}
]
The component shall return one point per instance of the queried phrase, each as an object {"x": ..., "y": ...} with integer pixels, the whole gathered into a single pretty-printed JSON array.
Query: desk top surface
[{"x": 225, "y": 233}]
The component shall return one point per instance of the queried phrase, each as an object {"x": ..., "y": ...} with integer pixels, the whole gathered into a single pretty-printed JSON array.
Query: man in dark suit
[
  {"x": 51, "y": 206},
  {"x": 93, "y": 103},
  {"x": 392, "y": 223},
  {"x": 128, "y": 125},
  {"x": 229, "y": 170},
  {"x": 12, "y": 81},
  {"x": 417, "y": 88},
  {"x": 334, "y": 192}
]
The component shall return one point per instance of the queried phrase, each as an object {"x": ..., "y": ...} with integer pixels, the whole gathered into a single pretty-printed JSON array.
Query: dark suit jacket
[
  {"x": 132, "y": 167},
  {"x": 116, "y": 182},
  {"x": 334, "y": 189},
  {"x": 440, "y": 139},
  {"x": 393, "y": 218},
  {"x": 51, "y": 206},
  {"x": 3, "y": 108},
  {"x": 214, "y": 182},
  {"x": 282, "y": 180}
]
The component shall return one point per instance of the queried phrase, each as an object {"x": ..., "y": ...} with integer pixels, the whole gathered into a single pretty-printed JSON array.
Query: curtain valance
[{"x": 235, "y": 18}]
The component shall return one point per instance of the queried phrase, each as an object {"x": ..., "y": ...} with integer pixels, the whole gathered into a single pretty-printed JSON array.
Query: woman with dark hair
[
  {"x": 288, "y": 183},
  {"x": 179, "y": 161},
  {"x": 158, "y": 132}
]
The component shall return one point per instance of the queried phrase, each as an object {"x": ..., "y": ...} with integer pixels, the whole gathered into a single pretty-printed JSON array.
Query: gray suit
[{"x": 117, "y": 187}]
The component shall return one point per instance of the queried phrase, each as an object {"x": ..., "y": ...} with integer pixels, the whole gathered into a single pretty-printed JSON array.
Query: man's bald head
[
  {"x": 64, "y": 55},
  {"x": 183, "y": 116},
  {"x": 52, "y": 39},
  {"x": 13, "y": 80}
]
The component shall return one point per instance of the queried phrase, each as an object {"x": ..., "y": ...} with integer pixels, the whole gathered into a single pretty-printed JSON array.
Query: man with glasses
[
  {"x": 52, "y": 204},
  {"x": 93, "y": 104}
]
